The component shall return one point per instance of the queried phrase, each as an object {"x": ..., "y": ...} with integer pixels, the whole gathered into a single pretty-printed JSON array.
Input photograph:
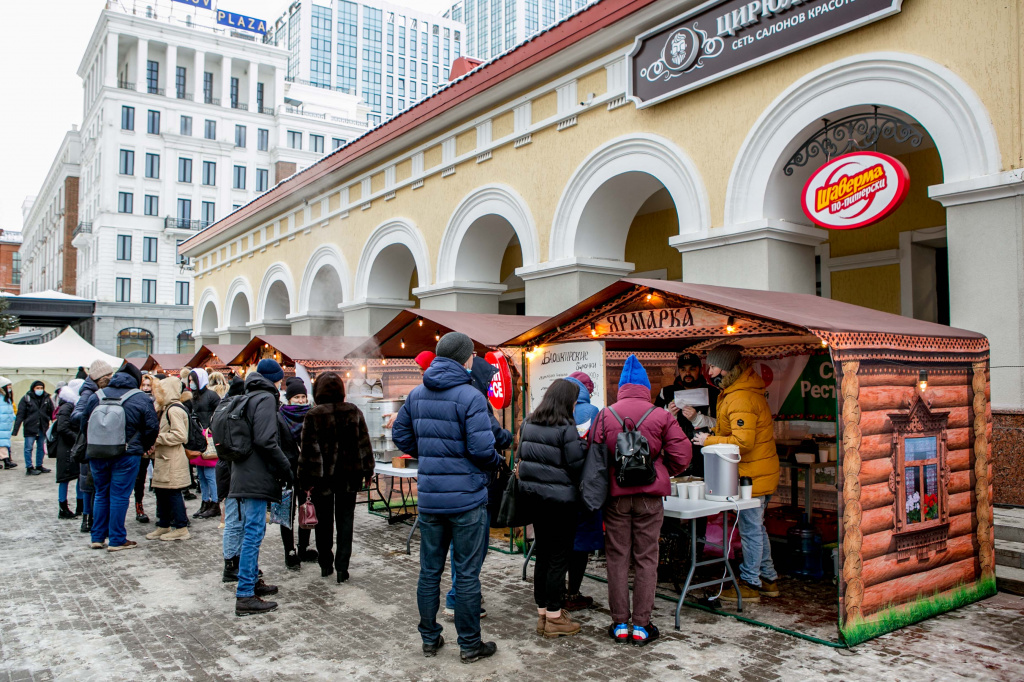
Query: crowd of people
[{"x": 253, "y": 444}]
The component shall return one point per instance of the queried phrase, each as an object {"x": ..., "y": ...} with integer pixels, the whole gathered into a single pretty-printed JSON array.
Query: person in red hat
[{"x": 424, "y": 359}]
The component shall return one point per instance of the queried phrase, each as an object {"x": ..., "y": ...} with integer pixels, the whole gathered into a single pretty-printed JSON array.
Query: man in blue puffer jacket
[{"x": 446, "y": 424}]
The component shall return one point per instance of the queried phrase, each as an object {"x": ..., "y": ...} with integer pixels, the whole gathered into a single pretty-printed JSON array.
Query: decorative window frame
[{"x": 925, "y": 538}]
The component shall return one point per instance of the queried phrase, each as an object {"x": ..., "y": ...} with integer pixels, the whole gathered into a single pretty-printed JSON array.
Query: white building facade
[
  {"x": 48, "y": 260},
  {"x": 492, "y": 27},
  {"x": 390, "y": 56},
  {"x": 183, "y": 123}
]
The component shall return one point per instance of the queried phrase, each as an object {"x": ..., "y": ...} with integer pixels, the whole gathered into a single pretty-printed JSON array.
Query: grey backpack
[{"x": 107, "y": 424}]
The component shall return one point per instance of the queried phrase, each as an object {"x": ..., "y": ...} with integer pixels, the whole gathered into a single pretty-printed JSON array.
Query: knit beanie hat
[
  {"x": 99, "y": 368},
  {"x": 584, "y": 379},
  {"x": 425, "y": 358},
  {"x": 269, "y": 368},
  {"x": 293, "y": 387},
  {"x": 634, "y": 373},
  {"x": 455, "y": 346},
  {"x": 132, "y": 371},
  {"x": 725, "y": 357}
]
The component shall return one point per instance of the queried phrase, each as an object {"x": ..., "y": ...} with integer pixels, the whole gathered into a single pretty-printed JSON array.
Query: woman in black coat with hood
[
  {"x": 550, "y": 464},
  {"x": 335, "y": 462}
]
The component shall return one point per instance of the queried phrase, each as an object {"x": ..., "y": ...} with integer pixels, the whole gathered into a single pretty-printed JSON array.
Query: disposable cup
[
  {"x": 823, "y": 455},
  {"x": 746, "y": 492},
  {"x": 695, "y": 491}
]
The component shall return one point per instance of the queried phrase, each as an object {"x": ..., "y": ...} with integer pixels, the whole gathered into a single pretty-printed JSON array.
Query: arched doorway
[
  {"x": 275, "y": 301},
  {"x": 324, "y": 289},
  {"x": 239, "y": 313}
]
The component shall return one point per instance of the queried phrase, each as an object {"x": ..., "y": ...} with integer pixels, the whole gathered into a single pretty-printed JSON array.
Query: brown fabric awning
[
  {"x": 487, "y": 331},
  {"x": 166, "y": 361},
  {"x": 221, "y": 354},
  {"x": 301, "y": 348}
]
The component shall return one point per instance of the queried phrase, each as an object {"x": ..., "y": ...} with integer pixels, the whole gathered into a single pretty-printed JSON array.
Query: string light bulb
[
  {"x": 649, "y": 297},
  {"x": 922, "y": 379},
  {"x": 730, "y": 325},
  {"x": 824, "y": 343},
  {"x": 363, "y": 369},
  {"x": 437, "y": 334},
  {"x": 593, "y": 329},
  {"x": 419, "y": 321},
  {"x": 384, "y": 361},
  {"x": 401, "y": 342}
]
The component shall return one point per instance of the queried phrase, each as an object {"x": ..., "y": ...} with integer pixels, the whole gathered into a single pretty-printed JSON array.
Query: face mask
[
  {"x": 38, "y": 391},
  {"x": 192, "y": 386}
]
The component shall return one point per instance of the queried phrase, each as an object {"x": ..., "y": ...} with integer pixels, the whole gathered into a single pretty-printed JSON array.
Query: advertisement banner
[
  {"x": 855, "y": 190},
  {"x": 559, "y": 360},
  {"x": 241, "y": 22},
  {"x": 801, "y": 387}
]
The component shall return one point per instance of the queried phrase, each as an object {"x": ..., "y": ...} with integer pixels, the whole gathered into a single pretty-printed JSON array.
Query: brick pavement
[{"x": 161, "y": 612}]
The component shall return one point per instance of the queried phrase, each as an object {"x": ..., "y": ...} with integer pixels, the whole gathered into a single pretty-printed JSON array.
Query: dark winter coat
[
  {"x": 668, "y": 394},
  {"x": 65, "y": 434},
  {"x": 203, "y": 403},
  {"x": 141, "y": 423},
  {"x": 88, "y": 388},
  {"x": 336, "y": 454},
  {"x": 480, "y": 377},
  {"x": 446, "y": 424},
  {"x": 85, "y": 392},
  {"x": 550, "y": 462},
  {"x": 34, "y": 412},
  {"x": 262, "y": 474}
]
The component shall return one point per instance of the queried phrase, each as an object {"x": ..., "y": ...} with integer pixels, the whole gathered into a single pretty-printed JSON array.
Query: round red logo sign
[
  {"x": 855, "y": 190},
  {"x": 499, "y": 392}
]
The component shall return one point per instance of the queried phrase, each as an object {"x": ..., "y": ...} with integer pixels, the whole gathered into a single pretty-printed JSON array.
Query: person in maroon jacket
[{"x": 633, "y": 516}]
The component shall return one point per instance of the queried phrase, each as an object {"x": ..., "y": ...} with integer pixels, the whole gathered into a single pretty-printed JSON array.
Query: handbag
[
  {"x": 594, "y": 481},
  {"x": 512, "y": 513},
  {"x": 307, "y": 512}
]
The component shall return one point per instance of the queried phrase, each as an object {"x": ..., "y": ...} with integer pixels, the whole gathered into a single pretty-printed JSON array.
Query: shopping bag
[{"x": 281, "y": 512}]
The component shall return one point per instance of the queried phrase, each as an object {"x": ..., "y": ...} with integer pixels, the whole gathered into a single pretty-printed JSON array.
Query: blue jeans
[
  {"x": 39, "y": 441},
  {"x": 62, "y": 491},
  {"x": 757, "y": 549},
  {"x": 207, "y": 483},
  {"x": 466, "y": 534},
  {"x": 254, "y": 527},
  {"x": 450, "y": 598},
  {"x": 232, "y": 529},
  {"x": 114, "y": 479},
  {"x": 86, "y": 502}
]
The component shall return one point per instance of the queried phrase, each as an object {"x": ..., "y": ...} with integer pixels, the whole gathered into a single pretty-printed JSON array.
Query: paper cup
[
  {"x": 823, "y": 455},
  {"x": 746, "y": 492},
  {"x": 695, "y": 491}
]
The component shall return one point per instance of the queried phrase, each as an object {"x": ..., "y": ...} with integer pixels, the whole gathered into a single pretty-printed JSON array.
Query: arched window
[
  {"x": 134, "y": 342},
  {"x": 186, "y": 342}
]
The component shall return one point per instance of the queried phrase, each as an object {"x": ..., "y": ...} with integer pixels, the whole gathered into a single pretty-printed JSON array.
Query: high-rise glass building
[
  {"x": 494, "y": 26},
  {"x": 390, "y": 56}
]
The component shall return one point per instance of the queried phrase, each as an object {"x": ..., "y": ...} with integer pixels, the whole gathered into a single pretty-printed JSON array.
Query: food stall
[
  {"x": 166, "y": 363},
  {"x": 901, "y": 405},
  {"x": 214, "y": 357},
  {"x": 316, "y": 354}
]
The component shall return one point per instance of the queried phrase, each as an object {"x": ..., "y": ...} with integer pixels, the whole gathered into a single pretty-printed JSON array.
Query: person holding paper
[{"x": 690, "y": 398}]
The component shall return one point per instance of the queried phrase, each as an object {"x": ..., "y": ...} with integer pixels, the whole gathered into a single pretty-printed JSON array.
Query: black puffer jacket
[
  {"x": 550, "y": 462},
  {"x": 34, "y": 412},
  {"x": 262, "y": 474},
  {"x": 66, "y": 434}
]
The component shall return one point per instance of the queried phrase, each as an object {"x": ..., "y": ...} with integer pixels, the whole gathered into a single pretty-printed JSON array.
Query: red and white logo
[
  {"x": 499, "y": 392},
  {"x": 855, "y": 190}
]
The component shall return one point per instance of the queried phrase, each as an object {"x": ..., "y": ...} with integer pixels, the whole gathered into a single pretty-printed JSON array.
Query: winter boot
[
  {"x": 202, "y": 508},
  {"x": 230, "y": 570},
  {"x": 8, "y": 464},
  {"x": 86, "y": 523},
  {"x": 78, "y": 507},
  {"x": 248, "y": 606},
  {"x": 264, "y": 590},
  {"x": 562, "y": 626},
  {"x": 65, "y": 512},
  {"x": 140, "y": 513},
  {"x": 306, "y": 554},
  {"x": 212, "y": 511}
]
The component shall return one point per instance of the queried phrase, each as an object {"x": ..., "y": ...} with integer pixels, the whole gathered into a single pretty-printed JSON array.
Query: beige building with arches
[{"x": 540, "y": 177}]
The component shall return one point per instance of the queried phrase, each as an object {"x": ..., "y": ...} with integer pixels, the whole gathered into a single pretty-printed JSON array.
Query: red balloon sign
[
  {"x": 855, "y": 190},
  {"x": 499, "y": 392}
]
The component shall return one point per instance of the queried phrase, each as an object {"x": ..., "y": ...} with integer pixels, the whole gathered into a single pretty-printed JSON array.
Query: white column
[
  {"x": 172, "y": 71},
  {"x": 197, "y": 75},
  {"x": 225, "y": 81},
  {"x": 141, "y": 57},
  {"x": 277, "y": 97},
  {"x": 110, "y": 64},
  {"x": 254, "y": 76}
]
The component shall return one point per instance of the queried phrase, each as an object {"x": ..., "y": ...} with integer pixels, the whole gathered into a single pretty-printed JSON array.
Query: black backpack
[
  {"x": 634, "y": 465},
  {"x": 232, "y": 431},
  {"x": 196, "y": 434}
]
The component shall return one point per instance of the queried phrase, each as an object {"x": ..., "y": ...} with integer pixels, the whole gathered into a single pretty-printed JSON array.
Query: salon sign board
[
  {"x": 720, "y": 38},
  {"x": 855, "y": 190},
  {"x": 559, "y": 360}
]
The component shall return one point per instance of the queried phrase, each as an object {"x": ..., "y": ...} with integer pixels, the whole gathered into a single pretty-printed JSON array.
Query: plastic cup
[
  {"x": 695, "y": 491},
  {"x": 746, "y": 492},
  {"x": 823, "y": 455}
]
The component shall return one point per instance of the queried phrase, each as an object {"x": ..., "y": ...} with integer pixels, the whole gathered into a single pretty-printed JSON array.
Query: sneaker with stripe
[
  {"x": 619, "y": 632},
  {"x": 645, "y": 634}
]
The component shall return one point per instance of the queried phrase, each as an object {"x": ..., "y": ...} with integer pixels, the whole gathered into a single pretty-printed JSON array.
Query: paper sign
[
  {"x": 559, "y": 360},
  {"x": 694, "y": 397}
]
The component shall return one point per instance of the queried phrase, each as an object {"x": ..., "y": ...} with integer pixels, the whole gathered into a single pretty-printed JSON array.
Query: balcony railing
[
  {"x": 302, "y": 112},
  {"x": 125, "y": 85},
  {"x": 82, "y": 228},
  {"x": 156, "y": 91},
  {"x": 184, "y": 224},
  {"x": 299, "y": 81},
  {"x": 239, "y": 105},
  {"x": 215, "y": 101},
  {"x": 269, "y": 111},
  {"x": 185, "y": 95}
]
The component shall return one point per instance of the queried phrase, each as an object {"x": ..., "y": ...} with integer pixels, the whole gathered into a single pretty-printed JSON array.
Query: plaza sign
[
  {"x": 724, "y": 37},
  {"x": 241, "y": 22},
  {"x": 855, "y": 190}
]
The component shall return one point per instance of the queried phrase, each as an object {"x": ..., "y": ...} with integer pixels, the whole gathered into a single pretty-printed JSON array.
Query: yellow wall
[
  {"x": 877, "y": 288},
  {"x": 980, "y": 45},
  {"x": 645, "y": 245}
]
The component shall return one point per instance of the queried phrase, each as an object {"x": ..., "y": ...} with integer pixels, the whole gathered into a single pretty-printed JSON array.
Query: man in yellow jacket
[{"x": 745, "y": 420}]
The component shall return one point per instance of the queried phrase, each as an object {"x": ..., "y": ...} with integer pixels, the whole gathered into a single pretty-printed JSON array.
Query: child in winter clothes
[
  {"x": 7, "y": 419},
  {"x": 170, "y": 463},
  {"x": 292, "y": 416}
]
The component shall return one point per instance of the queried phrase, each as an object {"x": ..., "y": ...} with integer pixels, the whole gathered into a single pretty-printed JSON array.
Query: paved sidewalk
[{"x": 161, "y": 612}]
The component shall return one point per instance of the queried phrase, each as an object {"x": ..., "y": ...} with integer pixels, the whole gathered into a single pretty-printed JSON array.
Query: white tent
[{"x": 53, "y": 361}]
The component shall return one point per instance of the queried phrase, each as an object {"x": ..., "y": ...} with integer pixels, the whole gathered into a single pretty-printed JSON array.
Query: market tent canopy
[
  {"x": 300, "y": 348},
  {"x": 168, "y": 362},
  {"x": 487, "y": 331},
  {"x": 766, "y": 318},
  {"x": 49, "y": 308},
  {"x": 67, "y": 351},
  {"x": 215, "y": 354}
]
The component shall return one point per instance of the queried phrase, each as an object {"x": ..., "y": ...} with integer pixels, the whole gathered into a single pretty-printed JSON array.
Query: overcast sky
[{"x": 39, "y": 55}]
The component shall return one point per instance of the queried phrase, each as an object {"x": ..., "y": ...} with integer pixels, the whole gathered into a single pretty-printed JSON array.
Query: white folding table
[
  {"x": 691, "y": 510},
  {"x": 380, "y": 469}
]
